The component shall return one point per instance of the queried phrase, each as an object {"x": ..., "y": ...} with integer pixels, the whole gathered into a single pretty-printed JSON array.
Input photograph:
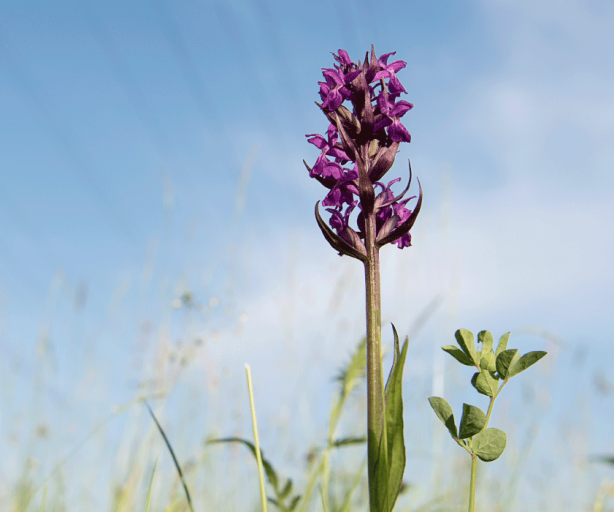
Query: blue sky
[{"x": 149, "y": 149}]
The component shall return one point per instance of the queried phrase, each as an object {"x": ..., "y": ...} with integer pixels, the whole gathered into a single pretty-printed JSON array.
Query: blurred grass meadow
[{"x": 157, "y": 233}]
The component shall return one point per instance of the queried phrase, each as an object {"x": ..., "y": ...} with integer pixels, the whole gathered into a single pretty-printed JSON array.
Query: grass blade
[
  {"x": 170, "y": 449},
  {"x": 323, "y": 500},
  {"x": 150, "y": 486},
  {"x": 256, "y": 439}
]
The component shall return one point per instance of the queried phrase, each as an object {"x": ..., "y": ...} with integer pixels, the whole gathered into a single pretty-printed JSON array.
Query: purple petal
[
  {"x": 333, "y": 100},
  {"x": 397, "y": 65},
  {"x": 384, "y": 104},
  {"x": 317, "y": 140},
  {"x": 384, "y": 59},
  {"x": 382, "y": 123},
  {"x": 398, "y": 133},
  {"x": 400, "y": 108},
  {"x": 344, "y": 58},
  {"x": 404, "y": 241},
  {"x": 382, "y": 74},
  {"x": 332, "y": 76},
  {"x": 349, "y": 78},
  {"x": 395, "y": 87}
]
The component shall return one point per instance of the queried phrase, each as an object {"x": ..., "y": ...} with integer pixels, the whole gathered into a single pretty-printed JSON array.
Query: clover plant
[{"x": 495, "y": 369}]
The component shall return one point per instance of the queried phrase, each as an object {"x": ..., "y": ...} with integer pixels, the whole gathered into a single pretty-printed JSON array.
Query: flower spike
[{"x": 367, "y": 135}]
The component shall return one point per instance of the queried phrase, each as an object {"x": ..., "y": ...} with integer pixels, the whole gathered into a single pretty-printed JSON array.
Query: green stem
[
  {"x": 492, "y": 404},
  {"x": 489, "y": 412},
  {"x": 474, "y": 469},
  {"x": 474, "y": 457},
  {"x": 375, "y": 395}
]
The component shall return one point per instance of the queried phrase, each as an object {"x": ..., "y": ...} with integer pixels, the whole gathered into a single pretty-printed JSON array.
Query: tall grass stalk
[
  {"x": 153, "y": 472},
  {"x": 256, "y": 439}
]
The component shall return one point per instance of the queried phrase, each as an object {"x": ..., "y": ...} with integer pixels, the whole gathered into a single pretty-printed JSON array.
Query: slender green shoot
[
  {"x": 349, "y": 378},
  {"x": 150, "y": 486},
  {"x": 348, "y": 496},
  {"x": 44, "y": 502},
  {"x": 256, "y": 439},
  {"x": 323, "y": 500},
  {"x": 170, "y": 449}
]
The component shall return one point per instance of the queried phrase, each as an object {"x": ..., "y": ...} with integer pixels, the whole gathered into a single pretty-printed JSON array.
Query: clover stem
[
  {"x": 375, "y": 395},
  {"x": 474, "y": 469},
  {"x": 492, "y": 404},
  {"x": 489, "y": 412}
]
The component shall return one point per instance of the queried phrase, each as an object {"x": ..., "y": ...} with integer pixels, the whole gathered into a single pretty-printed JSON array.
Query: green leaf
[
  {"x": 529, "y": 359},
  {"x": 459, "y": 355},
  {"x": 472, "y": 421},
  {"x": 390, "y": 465},
  {"x": 294, "y": 502},
  {"x": 504, "y": 361},
  {"x": 489, "y": 444},
  {"x": 348, "y": 441},
  {"x": 270, "y": 472},
  {"x": 485, "y": 338},
  {"x": 484, "y": 383},
  {"x": 604, "y": 459},
  {"x": 466, "y": 341},
  {"x": 286, "y": 490},
  {"x": 172, "y": 452},
  {"x": 488, "y": 362},
  {"x": 502, "y": 343},
  {"x": 444, "y": 413}
]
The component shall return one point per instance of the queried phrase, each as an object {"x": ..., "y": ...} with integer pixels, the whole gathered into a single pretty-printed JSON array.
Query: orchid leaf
[{"x": 390, "y": 465}]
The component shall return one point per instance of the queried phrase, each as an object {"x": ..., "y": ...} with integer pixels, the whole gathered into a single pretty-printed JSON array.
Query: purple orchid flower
[{"x": 367, "y": 135}]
